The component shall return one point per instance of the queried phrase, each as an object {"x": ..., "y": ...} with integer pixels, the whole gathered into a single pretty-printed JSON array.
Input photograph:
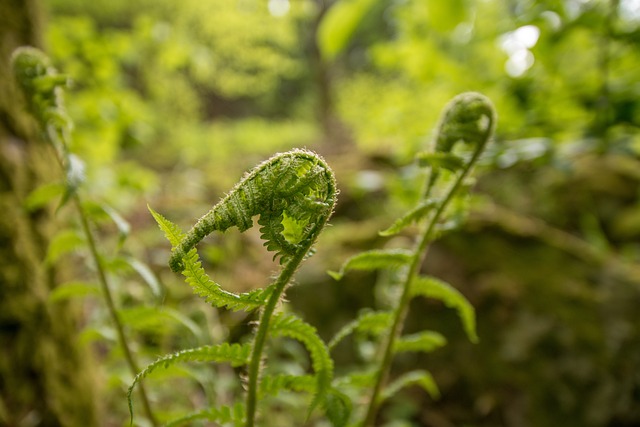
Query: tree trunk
[{"x": 45, "y": 379}]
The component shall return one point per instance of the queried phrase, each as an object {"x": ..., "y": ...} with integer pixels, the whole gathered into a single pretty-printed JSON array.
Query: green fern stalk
[
  {"x": 462, "y": 121},
  {"x": 42, "y": 87}
]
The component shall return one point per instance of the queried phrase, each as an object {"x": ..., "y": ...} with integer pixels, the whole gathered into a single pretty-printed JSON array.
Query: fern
[
  {"x": 421, "y": 378},
  {"x": 469, "y": 119},
  {"x": 290, "y": 326},
  {"x": 431, "y": 287},
  {"x": 234, "y": 354},
  {"x": 221, "y": 415},
  {"x": 374, "y": 260},
  {"x": 293, "y": 194},
  {"x": 373, "y": 322}
]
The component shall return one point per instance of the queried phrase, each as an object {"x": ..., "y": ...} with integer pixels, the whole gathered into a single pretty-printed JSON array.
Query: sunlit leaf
[{"x": 374, "y": 260}]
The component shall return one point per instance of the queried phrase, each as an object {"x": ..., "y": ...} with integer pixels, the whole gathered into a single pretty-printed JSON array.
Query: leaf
[
  {"x": 288, "y": 325},
  {"x": 72, "y": 290},
  {"x": 235, "y": 354},
  {"x": 414, "y": 215},
  {"x": 374, "y": 260},
  {"x": 124, "y": 228},
  {"x": 432, "y": 287},
  {"x": 171, "y": 231},
  {"x": 200, "y": 282},
  {"x": 147, "y": 275},
  {"x": 339, "y": 24},
  {"x": 442, "y": 160},
  {"x": 338, "y": 408},
  {"x": 421, "y": 378},
  {"x": 271, "y": 385},
  {"x": 62, "y": 243},
  {"x": 373, "y": 322},
  {"x": 222, "y": 415},
  {"x": 43, "y": 195},
  {"x": 425, "y": 341}
]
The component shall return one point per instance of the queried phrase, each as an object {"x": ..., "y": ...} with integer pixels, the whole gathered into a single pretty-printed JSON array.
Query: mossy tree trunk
[{"x": 45, "y": 378}]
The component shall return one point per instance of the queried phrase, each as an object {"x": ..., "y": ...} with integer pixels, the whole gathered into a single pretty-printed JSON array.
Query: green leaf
[
  {"x": 171, "y": 231},
  {"x": 425, "y": 341},
  {"x": 432, "y": 287},
  {"x": 62, "y": 243},
  {"x": 373, "y": 322},
  {"x": 339, "y": 24},
  {"x": 442, "y": 160},
  {"x": 271, "y": 385},
  {"x": 374, "y": 260},
  {"x": 72, "y": 290},
  {"x": 42, "y": 195},
  {"x": 338, "y": 408},
  {"x": 414, "y": 215},
  {"x": 235, "y": 354},
  {"x": 200, "y": 282},
  {"x": 147, "y": 275},
  {"x": 221, "y": 415},
  {"x": 419, "y": 377},
  {"x": 288, "y": 325},
  {"x": 124, "y": 228}
]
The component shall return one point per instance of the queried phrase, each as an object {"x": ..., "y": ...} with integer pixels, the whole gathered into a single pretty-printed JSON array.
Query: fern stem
[
  {"x": 111, "y": 308},
  {"x": 419, "y": 256},
  {"x": 265, "y": 318}
]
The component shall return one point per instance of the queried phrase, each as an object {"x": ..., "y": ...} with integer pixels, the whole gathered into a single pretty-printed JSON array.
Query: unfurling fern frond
[
  {"x": 297, "y": 184},
  {"x": 201, "y": 283}
]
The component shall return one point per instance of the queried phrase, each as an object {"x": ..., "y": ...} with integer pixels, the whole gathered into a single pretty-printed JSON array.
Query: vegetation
[{"x": 531, "y": 273}]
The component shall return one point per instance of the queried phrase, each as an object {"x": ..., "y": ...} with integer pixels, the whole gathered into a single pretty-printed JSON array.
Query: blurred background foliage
[{"x": 173, "y": 100}]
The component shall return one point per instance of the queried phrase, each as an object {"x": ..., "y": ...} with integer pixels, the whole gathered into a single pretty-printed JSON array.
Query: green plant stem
[
  {"x": 58, "y": 141},
  {"x": 111, "y": 308},
  {"x": 419, "y": 256},
  {"x": 265, "y": 318}
]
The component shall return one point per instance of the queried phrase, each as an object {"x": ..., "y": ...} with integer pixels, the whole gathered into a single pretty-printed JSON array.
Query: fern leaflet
[
  {"x": 373, "y": 322},
  {"x": 421, "y": 378},
  {"x": 374, "y": 260},
  {"x": 431, "y": 287},
  {"x": 222, "y": 415},
  {"x": 425, "y": 341}
]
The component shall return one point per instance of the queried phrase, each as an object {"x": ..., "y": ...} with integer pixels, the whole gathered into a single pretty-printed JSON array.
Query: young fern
[
  {"x": 294, "y": 195},
  {"x": 42, "y": 87},
  {"x": 469, "y": 118}
]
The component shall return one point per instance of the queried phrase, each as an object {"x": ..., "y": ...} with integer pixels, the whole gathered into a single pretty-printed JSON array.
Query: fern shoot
[
  {"x": 294, "y": 195},
  {"x": 469, "y": 118},
  {"x": 42, "y": 87}
]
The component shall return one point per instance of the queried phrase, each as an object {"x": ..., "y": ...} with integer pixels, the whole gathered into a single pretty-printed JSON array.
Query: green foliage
[{"x": 470, "y": 119}]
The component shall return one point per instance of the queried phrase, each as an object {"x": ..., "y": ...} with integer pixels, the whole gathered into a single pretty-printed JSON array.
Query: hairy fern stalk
[
  {"x": 293, "y": 194},
  {"x": 469, "y": 119}
]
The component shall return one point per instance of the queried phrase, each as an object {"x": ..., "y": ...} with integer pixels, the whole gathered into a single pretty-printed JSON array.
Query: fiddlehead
[{"x": 297, "y": 185}]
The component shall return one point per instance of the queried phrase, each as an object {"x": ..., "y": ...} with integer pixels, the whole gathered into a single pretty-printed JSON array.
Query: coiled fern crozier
[
  {"x": 293, "y": 194},
  {"x": 469, "y": 119}
]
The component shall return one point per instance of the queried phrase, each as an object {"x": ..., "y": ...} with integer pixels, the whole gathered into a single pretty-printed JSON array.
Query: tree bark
[{"x": 45, "y": 376}]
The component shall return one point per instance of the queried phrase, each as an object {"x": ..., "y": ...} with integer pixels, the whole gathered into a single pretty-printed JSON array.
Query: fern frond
[
  {"x": 297, "y": 184},
  {"x": 338, "y": 407},
  {"x": 425, "y": 341},
  {"x": 171, "y": 231},
  {"x": 288, "y": 325},
  {"x": 432, "y": 287},
  {"x": 420, "y": 378},
  {"x": 374, "y": 260},
  {"x": 213, "y": 293},
  {"x": 222, "y": 415},
  {"x": 414, "y": 215},
  {"x": 438, "y": 160},
  {"x": 360, "y": 379},
  {"x": 372, "y": 322},
  {"x": 271, "y": 385},
  {"x": 235, "y": 354}
]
